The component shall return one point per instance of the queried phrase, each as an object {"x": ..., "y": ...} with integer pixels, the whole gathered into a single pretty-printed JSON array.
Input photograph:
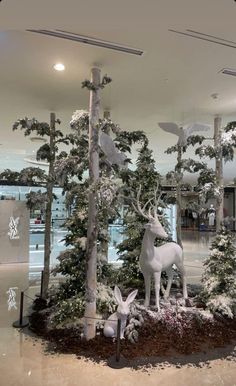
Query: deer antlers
[{"x": 141, "y": 210}]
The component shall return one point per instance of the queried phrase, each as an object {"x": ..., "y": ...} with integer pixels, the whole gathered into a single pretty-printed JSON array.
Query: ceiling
[{"x": 172, "y": 81}]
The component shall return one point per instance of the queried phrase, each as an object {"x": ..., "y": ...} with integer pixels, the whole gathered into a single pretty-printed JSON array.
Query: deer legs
[
  {"x": 170, "y": 275},
  {"x": 183, "y": 276},
  {"x": 157, "y": 279},
  {"x": 147, "y": 280}
]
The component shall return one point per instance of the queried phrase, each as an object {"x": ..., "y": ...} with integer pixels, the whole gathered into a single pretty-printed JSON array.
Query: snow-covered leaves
[
  {"x": 107, "y": 190},
  {"x": 207, "y": 185},
  {"x": 135, "y": 321},
  {"x": 209, "y": 190},
  {"x": 191, "y": 166},
  {"x": 223, "y": 304},
  {"x": 27, "y": 176},
  {"x": 68, "y": 167},
  {"x": 92, "y": 87},
  {"x": 206, "y": 151},
  {"x": 30, "y": 176},
  {"x": 106, "y": 302},
  {"x": 225, "y": 148},
  {"x": 219, "y": 277},
  {"x": 10, "y": 176},
  {"x": 70, "y": 310},
  {"x": 80, "y": 120},
  {"x": 175, "y": 319},
  {"x": 36, "y": 200},
  {"x": 32, "y": 126}
]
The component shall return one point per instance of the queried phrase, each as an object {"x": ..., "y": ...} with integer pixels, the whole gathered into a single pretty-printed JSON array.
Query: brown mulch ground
[{"x": 154, "y": 340}]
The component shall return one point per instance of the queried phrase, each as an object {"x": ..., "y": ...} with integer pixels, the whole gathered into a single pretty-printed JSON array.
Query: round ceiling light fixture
[{"x": 59, "y": 67}]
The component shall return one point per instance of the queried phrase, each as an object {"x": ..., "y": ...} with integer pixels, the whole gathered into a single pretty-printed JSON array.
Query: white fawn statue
[{"x": 153, "y": 260}]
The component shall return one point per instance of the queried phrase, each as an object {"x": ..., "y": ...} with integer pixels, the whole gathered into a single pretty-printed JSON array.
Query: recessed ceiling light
[{"x": 59, "y": 67}]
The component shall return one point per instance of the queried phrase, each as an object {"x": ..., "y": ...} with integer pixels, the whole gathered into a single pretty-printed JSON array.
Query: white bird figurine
[
  {"x": 109, "y": 149},
  {"x": 183, "y": 132}
]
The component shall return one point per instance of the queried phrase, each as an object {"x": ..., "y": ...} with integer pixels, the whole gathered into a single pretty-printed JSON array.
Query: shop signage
[{"x": 13, "y": 230}]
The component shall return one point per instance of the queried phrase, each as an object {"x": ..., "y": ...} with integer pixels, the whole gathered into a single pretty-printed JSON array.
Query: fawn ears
[
  {"x": 118, "y": 295},
  {"x": 131, "y": 297}
]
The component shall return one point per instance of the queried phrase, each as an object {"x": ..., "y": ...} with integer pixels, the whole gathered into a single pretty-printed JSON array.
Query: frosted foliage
[
  {"x": 107, "y": 188},
  {"x": 105, "y": 298},
  {"x": 79, "y": 117},
  {"x": 215, "y": 252},
  {"x": 211, "y": 283},
  {"x": 135, "y": 321},
  {"x": 228, "y": 137},
  {"x": 204, "y": 150},
  {"x": 178, "y": 318},
  {"x": 219, "y": 277},
  {"x": 82, "y": 241},
  {"x": 222, "y": 304},
  {"x": 65, "y": 167},
  {"x": 209, "y": 188}
]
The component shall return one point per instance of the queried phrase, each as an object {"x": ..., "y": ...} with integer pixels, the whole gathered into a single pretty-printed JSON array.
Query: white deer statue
[{"x": 153, "y": 260}]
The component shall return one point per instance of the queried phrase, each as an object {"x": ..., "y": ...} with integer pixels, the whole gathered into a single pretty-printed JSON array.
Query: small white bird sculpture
[
  {"x": 109, "y": 149},
  {"x": 183, "y": 132}
]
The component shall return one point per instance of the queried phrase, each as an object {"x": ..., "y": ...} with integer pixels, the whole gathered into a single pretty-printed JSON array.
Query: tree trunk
[
  {"x": 48, "y": 212},
  {"x": 91, "y": 274},
  {"x": 178, "y": 198},
  {"x": 219, "y": 173},
  {"x": 105, "y": 244}
]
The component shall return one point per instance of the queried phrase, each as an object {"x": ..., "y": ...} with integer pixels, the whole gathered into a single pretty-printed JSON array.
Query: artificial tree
[
  {"x": 145, "y": 176},
  {"x": 211, "y": 183},
  {"x": 219, "y": 281},
  {"x": 27, "y": 176},
  {"x": 71, "y": 171},
  {"x": 184, "y": 140},
  {"x": 47, "y": 152}
]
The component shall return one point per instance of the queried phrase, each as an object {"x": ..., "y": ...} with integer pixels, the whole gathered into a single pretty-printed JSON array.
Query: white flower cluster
[{"x": 78, "y": 117}]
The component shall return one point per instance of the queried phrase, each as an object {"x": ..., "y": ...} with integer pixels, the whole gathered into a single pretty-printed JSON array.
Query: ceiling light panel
[
  {"x": 88, "y": 40},
  {"x": 210, "y": 36},
  {"x": 205, "y": 37},
  {"x": 228, "y": 71}
]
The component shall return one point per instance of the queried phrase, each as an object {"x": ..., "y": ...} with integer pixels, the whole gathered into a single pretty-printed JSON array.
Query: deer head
[{"x": 153, "y": 226}]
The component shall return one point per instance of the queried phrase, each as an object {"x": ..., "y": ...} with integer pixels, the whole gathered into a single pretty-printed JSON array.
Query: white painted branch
[
  {"x": 179, "y": 199},
  {"x": 219, "y": 173},
  {"x": 48, "y": 211},
  {"x": 91, "y": 274}
]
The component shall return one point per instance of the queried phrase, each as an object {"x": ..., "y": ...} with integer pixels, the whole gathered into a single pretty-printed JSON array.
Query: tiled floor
[{"x": 23, "y": 361}]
